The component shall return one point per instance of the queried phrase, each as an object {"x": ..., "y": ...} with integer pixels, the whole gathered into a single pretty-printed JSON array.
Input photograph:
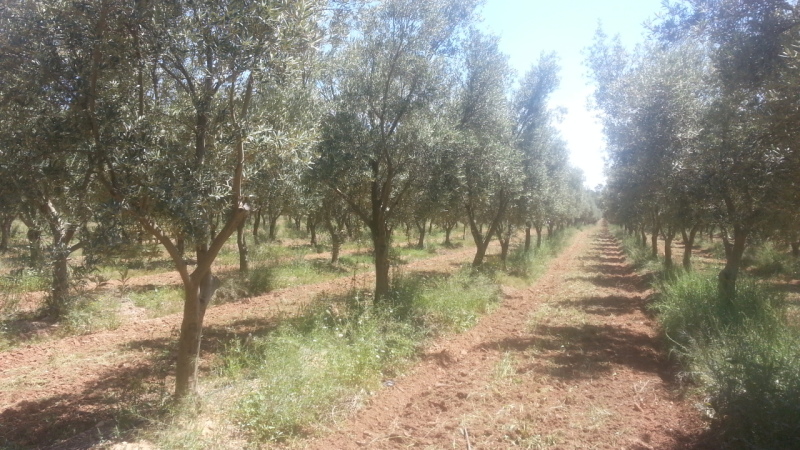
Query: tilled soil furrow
[{"x": 571, "y": 362}]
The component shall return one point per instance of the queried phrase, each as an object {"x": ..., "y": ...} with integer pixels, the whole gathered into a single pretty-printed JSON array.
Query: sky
[{"x": 529, "y": 27}]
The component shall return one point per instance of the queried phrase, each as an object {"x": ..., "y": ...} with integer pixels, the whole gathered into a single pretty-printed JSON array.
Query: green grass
[
  {"x": 89, "y": 314},
  {"x": 454, "y": 303},
  {"x": 740, "y": 352},
  {"x": 638, "y": 255},
  {"x": 770, "y": 259},
  {"x": 341, "y": 349},
  {"x": 17, "y": 283},
  {"x": 160, "y": 301},
  {"x": 522, "y": 268}
]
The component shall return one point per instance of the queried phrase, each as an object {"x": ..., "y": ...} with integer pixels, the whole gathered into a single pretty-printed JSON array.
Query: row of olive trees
[
  {"x": 182, "y": 119},
  {"x": 702, "y": 126}
]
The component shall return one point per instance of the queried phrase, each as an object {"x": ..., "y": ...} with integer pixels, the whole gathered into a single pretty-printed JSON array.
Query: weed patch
[
  {"x": 743, "y": 355},
  {"x": 341, "y": 349},
  {"x": 89, "y": 314}
]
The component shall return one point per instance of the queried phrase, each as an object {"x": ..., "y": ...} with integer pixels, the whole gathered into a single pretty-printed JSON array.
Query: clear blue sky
[{"x": 528, "y": 27}]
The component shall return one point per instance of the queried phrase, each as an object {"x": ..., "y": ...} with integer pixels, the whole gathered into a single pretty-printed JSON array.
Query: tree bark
[
  {"x": 273, "y": 227},
  {"x": 688, "y": 243},
  {"x": 668, "y": 237},
  {"x": 380, "y": 242},
  {"x": 58, "y": 303},
  {"x": 311, "y": 225},
  {"x": 733, "y": 260},
  {"x": 241, "y": 243},
  {"x": 538, "y": 229},
  {"x": 447, "y": 231},
  {"x": 527, "y": 238},
  {"x": 421, "y": 228},
  {"x": 35, "y": 257},
  {"x": 504, "y": 236},
  {"x": 654, "y": 240},
  {"x": 5, "y": 228},
  {"x": 256, "y": 223}
]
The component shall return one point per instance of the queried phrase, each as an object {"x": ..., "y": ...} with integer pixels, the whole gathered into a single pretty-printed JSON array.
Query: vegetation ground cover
[{"x": 742, "y": 354}]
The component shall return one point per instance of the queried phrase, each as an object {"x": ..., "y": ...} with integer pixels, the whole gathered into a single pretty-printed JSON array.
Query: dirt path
[
  {"x": 57, "y": 389},
  {"x": 571, "y": 362}
]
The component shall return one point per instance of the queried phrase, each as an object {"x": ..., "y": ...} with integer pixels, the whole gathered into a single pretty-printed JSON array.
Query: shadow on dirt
[
  {"x": 118, "y": 398},
  {"x": 586, "y": 351},
  {"x": 611, "y": 305}
]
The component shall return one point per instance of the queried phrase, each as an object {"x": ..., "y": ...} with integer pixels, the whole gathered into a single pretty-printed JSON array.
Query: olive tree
[{"x": 384, "y": 77}]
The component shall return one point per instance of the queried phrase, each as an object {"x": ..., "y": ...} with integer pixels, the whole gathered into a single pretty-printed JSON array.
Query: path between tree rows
[{"x": 571, "y": 362}]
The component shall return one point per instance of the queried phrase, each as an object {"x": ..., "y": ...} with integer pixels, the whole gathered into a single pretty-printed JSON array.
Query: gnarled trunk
[
  {"x": 654, "y": 241},
  {"x": 688, "y": 243},
  {"x": 421, "y": 229}
]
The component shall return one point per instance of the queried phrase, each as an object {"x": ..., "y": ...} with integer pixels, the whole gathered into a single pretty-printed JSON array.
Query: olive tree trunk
[
  {"x": 733, "y": 260},
  {"x": 688, "y": 243}
]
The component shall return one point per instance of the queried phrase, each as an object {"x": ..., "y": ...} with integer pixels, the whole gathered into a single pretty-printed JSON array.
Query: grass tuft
[
  {"x": 742, "y": 353},
  {"x": 89, "y": 314},
  {"x": 318, "y": 366}
]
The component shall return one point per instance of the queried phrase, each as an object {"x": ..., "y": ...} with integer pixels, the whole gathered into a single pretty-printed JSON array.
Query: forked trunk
[
  {"x": 421, "y": 229},
  {"x": 688, "y": 243},
  {"x": 480, "y": 253},
  {"x": 447, "y": 231}
]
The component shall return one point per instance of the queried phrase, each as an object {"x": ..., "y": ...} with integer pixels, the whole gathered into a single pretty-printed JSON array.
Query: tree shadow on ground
[
  {"x": 610, "y": 305},
  {"x": 118, "y": 397},
  {"x": 628, "y": 283},
  {"x": 586, "y": 351}
]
